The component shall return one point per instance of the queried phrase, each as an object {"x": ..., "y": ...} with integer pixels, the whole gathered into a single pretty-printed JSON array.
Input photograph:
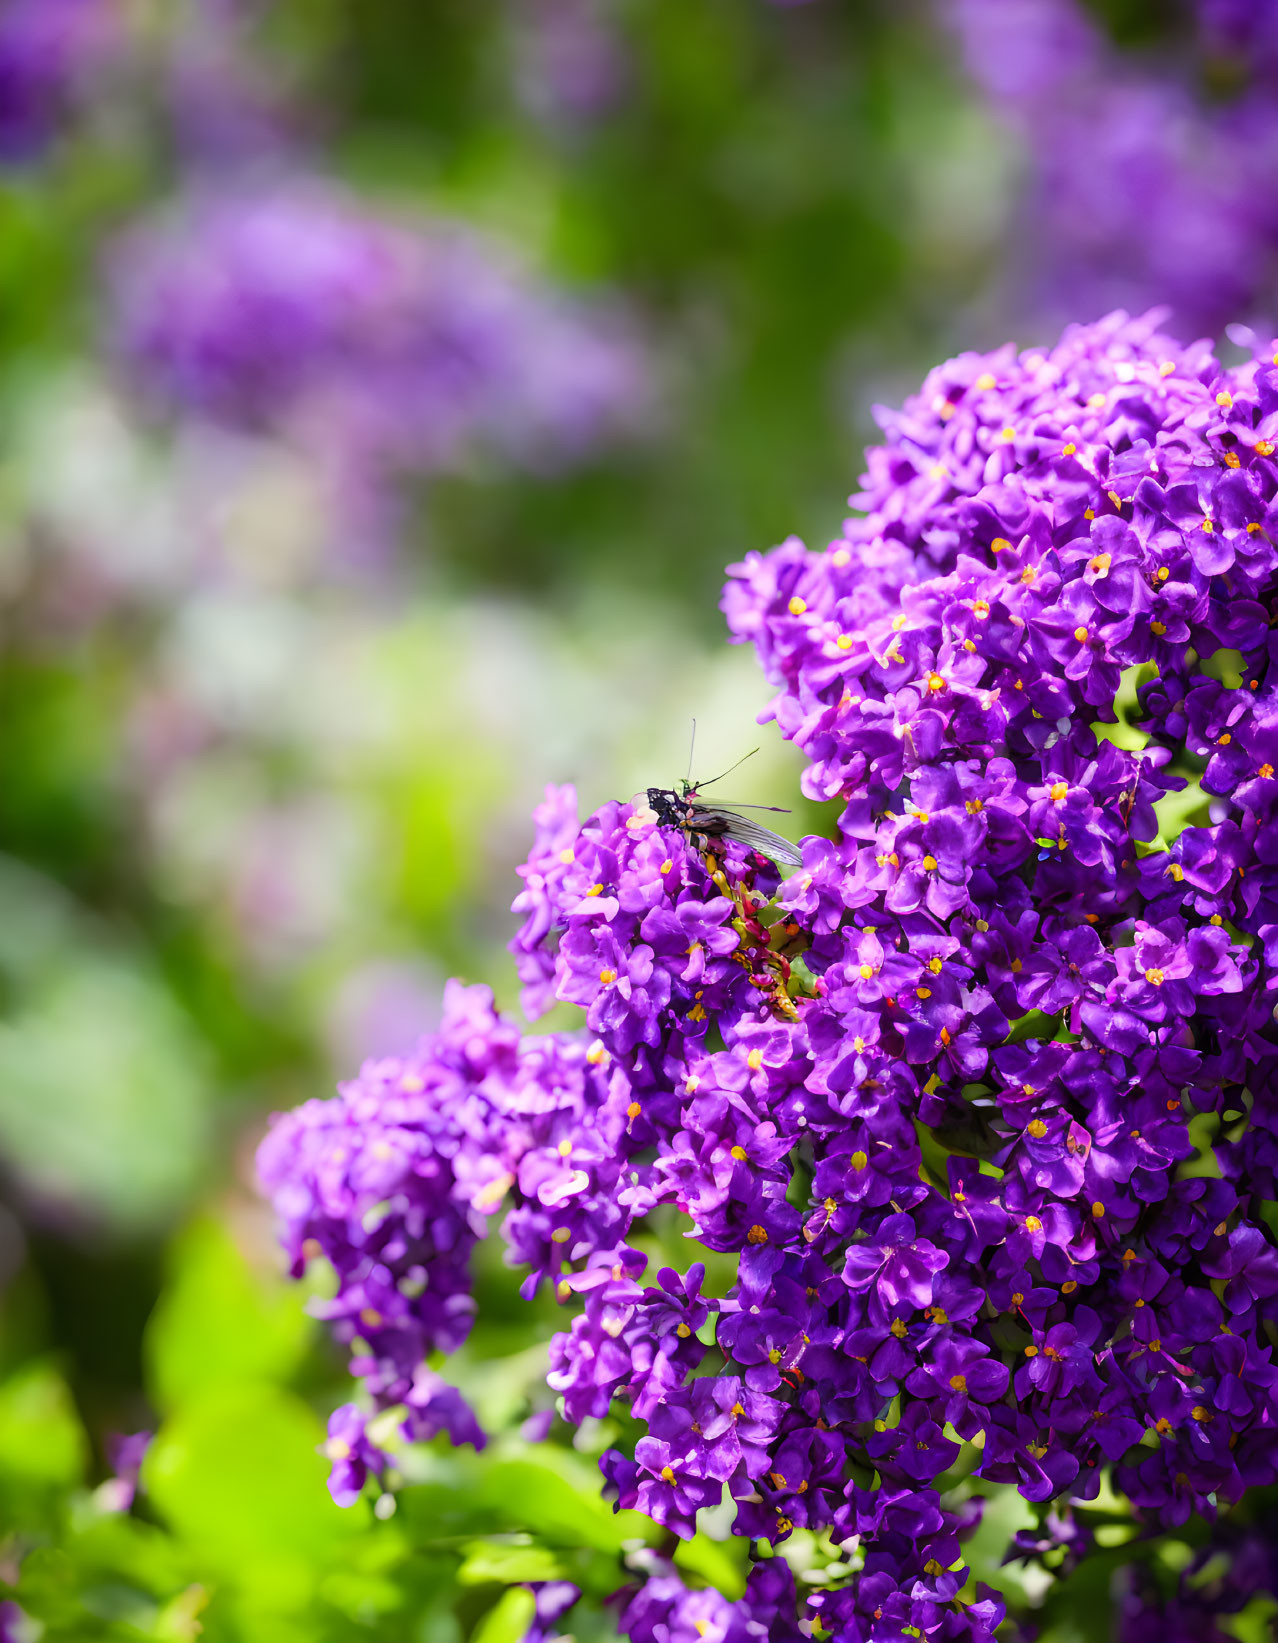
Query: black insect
[{"x": 683, "y": 808}]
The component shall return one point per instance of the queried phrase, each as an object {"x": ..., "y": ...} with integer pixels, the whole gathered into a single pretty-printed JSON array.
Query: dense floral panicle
[
  {"x": 979, "y": 1101},
  {"x": 1150, "y": 180},
  {"x": 293, "y": 306},
  {"x": 51, "y": 53},
  {"x": 1038, "y": 533},
  {"x": 394, "y": 1181}
]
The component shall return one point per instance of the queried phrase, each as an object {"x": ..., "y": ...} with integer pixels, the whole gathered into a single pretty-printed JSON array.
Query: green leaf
[
  {"x": 1124, "y": 733},
  {"x": 558, "y": 1498},
  {"x": 217, "y": 1322},
  {"x": 508, "y": 1619},
  {"x": 1005, "y": 1513},
  {"x": 1177, "y": 811},
  {"x": 41, "y": 1438},
  {"x": 103, "y": 1094},
  {"x": 1256, "y": 1622},
  {"x": 722, "y": 1564},
  {"x": 238, "y": 1474},
  {"x": 1033, "y": 1025},
  {"x": 508, "y": 1562},
  {"x": 1228, "y": 666}
]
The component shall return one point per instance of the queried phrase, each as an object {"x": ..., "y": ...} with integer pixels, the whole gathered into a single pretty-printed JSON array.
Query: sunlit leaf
[
  {"x": 507, "y": 1620},
  {"x": 41, "y": 1438},
  {"x": 218, "y": 1322}
]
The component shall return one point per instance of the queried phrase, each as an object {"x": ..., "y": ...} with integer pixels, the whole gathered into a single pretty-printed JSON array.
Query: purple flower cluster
[
  {"x": 292, "y": 307},
  {"x": 51, "y": 53},
  {"x": 980, "y": 1101},
  {"x": 393, "y": 1183},
  {"x": 1147, "y": 184}
]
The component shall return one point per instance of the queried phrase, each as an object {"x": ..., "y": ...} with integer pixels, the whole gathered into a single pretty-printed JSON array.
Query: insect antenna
[
  {"x": 729, "y": 770},
  {"x": 736, "y": 804},
  {"x": 692, "y": 747}
]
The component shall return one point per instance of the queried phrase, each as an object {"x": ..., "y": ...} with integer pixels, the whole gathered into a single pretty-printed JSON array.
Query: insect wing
[{"x": 730, "y": 824}]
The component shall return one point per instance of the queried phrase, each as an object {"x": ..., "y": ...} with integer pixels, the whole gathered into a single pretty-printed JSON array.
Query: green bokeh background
[{"x": 804, "y": 206}]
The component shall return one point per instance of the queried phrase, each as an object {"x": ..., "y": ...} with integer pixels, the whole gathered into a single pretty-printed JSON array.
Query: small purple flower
[
  {"x": 352, "y": 1454},
  {"x": 899, "y": 1264}
]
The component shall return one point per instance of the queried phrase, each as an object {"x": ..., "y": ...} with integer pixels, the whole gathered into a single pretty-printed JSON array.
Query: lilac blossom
[
  {"x": 289, "y": 306},
  {"x": 980, "y": 1102},
  {"x": 1146, "y": 184}
]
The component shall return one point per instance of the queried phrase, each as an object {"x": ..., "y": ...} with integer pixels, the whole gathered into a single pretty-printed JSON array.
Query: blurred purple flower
[
  {"x": 227, "y": 104},
  {"x": 125, "y": 1451},
  {"x": 51, "y": 54},
  {"x": 401, "y": 343},
  {"x": 383, "y": 1007},
  {"x": 1143, "y": 187},
  {"x": 571, "y": 66}
]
